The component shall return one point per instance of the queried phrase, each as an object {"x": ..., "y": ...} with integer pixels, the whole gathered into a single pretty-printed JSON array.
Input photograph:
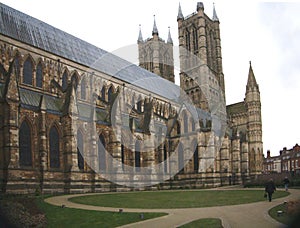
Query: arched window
[
  {"x": 74, "y": 80},
  {"x": 25, "y": 158},
  {"x": 123, "y": 156},
  {"x": 193, "y": 124},
  {"x": 165, "y": 159},
  {"x": 178, "y": 130},
  {"x": 103, "y": 93},
  {"x": 83, "y": 89},
  {"x": 185, "y": 123},
  {"x": 102, "y": 153},
  {"x": 187, "y": 40},
  {"x": 196, "y": 157},
  {"x": 27, "y": 72},
  {"x": 195, "y": 40},
  {"x": 54, "y": 148},
  {"x": 64, "y": 83},
  {"x": 180, "y": 158},
  {"x": 80, "y": 152},
  {"x": 109, "y": 93},
  {"x": 39, "y": 75},
  {"x": 137, "y": 156},
  {"x": 139, "y": 104}
]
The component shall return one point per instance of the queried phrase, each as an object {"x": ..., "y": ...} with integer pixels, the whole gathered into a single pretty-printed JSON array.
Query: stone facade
[{"x": 74, "y": 119}]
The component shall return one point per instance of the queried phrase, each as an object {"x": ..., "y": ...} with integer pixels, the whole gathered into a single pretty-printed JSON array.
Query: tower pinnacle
[
  {"x": 170, "y": 41},
  {"x": 180, "y": 15},
  {"x": 251, "y": 78},
  {"x": 140, "y": 38},
  {"x": 215, "y": 17},
  {"x": 155, "y": 30}
]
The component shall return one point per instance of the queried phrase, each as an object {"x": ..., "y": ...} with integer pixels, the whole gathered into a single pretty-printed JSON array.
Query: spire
[
  {"x": 251, "y": 78},
  {"x": 155, "y": 30},
  {"x": 170, "y": 41},
  {"x": 140, "y": 38},
  {"x": 215, "y": 17},
  {"x": 180, "y": 15}
]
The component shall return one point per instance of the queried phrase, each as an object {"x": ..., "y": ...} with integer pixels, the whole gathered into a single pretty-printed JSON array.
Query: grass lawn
[
  {"x": 69, "y": 217},
  {"x": 203, "y": 223},
  {"x": 175, "y": 199},
  {"x": 292, "y": 221}
]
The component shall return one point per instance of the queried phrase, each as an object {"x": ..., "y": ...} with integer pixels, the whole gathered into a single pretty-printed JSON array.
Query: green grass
[
  {"x": 203, "y": 223},
  {"x": 175, "y": 199},
  {"x": 68, "y": 217},
  {"x": 284, "y": 218}
]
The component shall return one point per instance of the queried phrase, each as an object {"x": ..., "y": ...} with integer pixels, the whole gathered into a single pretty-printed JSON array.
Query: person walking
[
  {"x": 286, "y": 182},
  {"x": 270, "y": 188}
]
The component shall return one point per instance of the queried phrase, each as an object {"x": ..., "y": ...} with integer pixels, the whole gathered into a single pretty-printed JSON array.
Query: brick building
[{"x": 288, "y": 161}]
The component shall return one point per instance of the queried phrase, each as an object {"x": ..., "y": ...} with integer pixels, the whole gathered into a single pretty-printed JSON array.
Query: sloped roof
[
  {"x": 32, "y": 31},
  {"x": 236, "y": 108}
]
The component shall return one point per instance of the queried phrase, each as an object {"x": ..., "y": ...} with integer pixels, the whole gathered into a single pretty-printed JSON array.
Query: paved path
[{"x": 244, "y": 215}]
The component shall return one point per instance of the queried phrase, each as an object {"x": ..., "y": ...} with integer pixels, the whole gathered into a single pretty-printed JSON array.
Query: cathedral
[{"x": 75, "y": 118}]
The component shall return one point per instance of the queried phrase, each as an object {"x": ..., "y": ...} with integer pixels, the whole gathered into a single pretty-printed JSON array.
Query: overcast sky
[{"x": 267, "y": 33}]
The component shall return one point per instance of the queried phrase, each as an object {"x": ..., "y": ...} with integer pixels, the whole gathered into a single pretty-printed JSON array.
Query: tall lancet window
[
  {"x": 80, "y": 152},
  {"x": 27, "y": 72},
  {"x": 54, "y": 148},
  {"x": 39, "y": 75},
  {"x": 102, "y": 153},
  {"x": 137, "y": 156},
  {"x": 25, "y": 143}
]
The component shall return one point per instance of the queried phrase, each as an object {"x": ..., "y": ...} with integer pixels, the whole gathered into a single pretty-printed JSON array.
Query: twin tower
[{"x": 199, "y": 45}]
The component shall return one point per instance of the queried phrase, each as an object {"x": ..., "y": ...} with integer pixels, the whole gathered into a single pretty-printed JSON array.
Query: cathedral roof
[
  {"x": 29, "y": 30},
  {"x": 236, "y": 108}
]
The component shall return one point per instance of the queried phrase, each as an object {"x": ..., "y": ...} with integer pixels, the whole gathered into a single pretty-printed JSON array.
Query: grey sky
[{"x": 268, "y": 34}]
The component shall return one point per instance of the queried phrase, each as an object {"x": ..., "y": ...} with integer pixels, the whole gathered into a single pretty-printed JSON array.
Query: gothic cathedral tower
[
  {"x": 155, "y": 55},
  {"x": 201, "y": 73}
]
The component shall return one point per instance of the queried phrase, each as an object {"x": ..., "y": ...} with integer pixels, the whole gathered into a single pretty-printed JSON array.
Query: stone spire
[
  {"x": 215, "y": 17},
  {"x": 155, "y": 30},
  {"x": 170, "y": 41},
  {"x": 140, "y": 38},
  {"x": 180, "y": 15},
  {"x": 251, "y": 79}
]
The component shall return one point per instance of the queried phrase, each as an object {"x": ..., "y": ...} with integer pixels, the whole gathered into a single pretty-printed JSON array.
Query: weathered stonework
[{"x": 151, "y": 130}]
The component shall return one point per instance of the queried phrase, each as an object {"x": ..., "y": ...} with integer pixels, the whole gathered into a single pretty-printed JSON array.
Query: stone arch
[{"x": 75, "y": 78}]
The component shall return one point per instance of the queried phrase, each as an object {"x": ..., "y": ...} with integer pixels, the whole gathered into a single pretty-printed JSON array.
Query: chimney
[{"x": 268, "y": 154}]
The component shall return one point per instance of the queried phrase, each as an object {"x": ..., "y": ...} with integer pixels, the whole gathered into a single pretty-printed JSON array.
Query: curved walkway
[{"x": 244, "y": 215}]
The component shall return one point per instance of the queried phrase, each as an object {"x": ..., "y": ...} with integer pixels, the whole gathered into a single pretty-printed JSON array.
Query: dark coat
[{"x": 270, "y": 187}]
